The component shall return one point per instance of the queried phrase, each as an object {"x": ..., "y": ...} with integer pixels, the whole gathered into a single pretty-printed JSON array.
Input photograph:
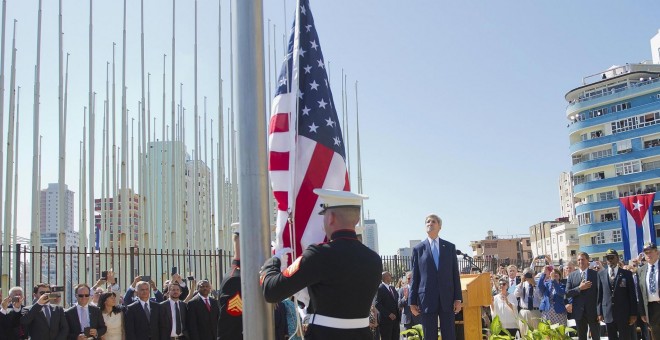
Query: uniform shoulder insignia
[
  {"x": 293, "y": 268},
  {"x": 235, "y": 305}
]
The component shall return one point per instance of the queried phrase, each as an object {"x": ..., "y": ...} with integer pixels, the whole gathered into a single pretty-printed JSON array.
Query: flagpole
[
  {"x": 221, "y": 161},
  {"x": 5, "y": 259},
  {"x": 83, "y": 182},
  {"x": 174, "y": 200},
  {"x": 249, "y": 85},
  {"x": 124, "y": 146},
  {"x": 15, "y": 227},
  {"x": 10, "y": 150},
  {"x": 105, "y": 213},
  {"x": 92, "y": 141},
  {"x": 359, "y": 158},
  {"x": 62, "y": 150},
  {"x": 115, "y": 186},
  {"x": 35, "y": 233},
  {"x": 142, "y": 169}
]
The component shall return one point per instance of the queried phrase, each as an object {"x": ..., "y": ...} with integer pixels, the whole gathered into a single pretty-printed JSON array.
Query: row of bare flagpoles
[{"x": 162, "y": 221}]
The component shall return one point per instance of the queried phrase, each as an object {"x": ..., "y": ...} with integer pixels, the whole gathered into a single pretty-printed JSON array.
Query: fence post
[
  {"x": 396, "y": 267},
  {"x": 17, "y": 264},
  {"x": 132, "y": 265}
]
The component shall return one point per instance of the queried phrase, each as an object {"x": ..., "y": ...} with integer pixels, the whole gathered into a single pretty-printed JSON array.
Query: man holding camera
[
  {"x": 43, "y": 320},
  {"x": 10, "y": 315},
  {"x": 530, "y": 299}
]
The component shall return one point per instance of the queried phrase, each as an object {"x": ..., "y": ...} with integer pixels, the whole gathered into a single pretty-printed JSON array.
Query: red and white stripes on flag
[{"x": 306, "y": 149}]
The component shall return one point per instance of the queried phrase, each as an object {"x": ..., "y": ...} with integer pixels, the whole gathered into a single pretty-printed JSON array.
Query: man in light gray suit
[
  {"x": 649, "y": 304},
  {"x": 407, "y": 318}
]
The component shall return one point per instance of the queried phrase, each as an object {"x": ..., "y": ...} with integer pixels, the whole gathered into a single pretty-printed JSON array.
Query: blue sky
[{"x": 461, "y": 102}]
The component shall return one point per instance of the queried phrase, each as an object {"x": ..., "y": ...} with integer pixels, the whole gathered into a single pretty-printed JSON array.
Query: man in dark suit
[
  {"x": 388, "y": 309},
  {"x": 436, "y": 288},
  {"x": 203, "y": 313},
  {"x": 84, "y": 319},
  {"x": 42, "y": 320},
  {"x": 617, "y": 303},
  {"x": 173, "y": 315},
  {"x": 10, "y": 315},
  {"x": 141, "y": 320},
  {"x": 649, "y": 302},
  {"x": 582, "y": 292}
]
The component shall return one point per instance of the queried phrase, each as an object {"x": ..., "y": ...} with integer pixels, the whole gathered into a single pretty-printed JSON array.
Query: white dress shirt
[
  {"x": 82, "y": 310},
  {"x": 172, "y": 308}
]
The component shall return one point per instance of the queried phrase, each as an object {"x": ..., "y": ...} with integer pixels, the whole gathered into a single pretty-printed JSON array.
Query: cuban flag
[{"x": 636, "y": 223}]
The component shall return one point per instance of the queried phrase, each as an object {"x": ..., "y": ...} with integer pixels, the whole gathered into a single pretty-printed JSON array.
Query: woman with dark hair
[{"x": 113, "y": 316}]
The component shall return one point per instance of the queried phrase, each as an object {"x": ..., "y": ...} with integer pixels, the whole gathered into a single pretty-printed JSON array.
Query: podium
[{"x": 476, "y": 293}]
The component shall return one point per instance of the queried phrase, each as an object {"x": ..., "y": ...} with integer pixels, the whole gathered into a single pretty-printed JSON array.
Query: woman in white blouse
[
  {"x": 504, "y": 306},
  {"x": 113, "y": 317}
]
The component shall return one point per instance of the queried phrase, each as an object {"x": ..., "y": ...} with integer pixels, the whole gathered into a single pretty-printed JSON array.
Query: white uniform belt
[{"x": 328, "y": 321}]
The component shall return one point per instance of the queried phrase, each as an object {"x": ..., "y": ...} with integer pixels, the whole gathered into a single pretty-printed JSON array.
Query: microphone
[{"x": 459, "y": 252}]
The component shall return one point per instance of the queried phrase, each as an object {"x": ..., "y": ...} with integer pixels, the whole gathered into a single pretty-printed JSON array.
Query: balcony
[
  {"x": 618, "y": 180},
  {"x": 616, "y": 158}
]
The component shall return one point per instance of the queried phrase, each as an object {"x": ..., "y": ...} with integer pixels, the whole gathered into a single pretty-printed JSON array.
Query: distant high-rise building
[
  {"x": 614, "y": 133},
  {"x": 49, "y": 233},
  {"x": 566, "y": 199},
  {"x": 198, "y": 222},
  {"x": 105, "y": 211},
  {"x": 370, "y": 235}
]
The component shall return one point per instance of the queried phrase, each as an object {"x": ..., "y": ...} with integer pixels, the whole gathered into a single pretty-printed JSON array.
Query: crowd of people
[
  {"x": 184, "y": 309},
  {"x": 622, "y": 296}
]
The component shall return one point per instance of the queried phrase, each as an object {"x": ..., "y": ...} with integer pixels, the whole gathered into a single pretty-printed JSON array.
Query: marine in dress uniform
[
  {"x": 230, "y": 322},
  {"x": 341, "y": 275}
]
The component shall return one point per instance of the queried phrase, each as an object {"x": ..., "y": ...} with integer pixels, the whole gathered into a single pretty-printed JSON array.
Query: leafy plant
[
  {"x": 415, "y": 333},
  {"x": 546, "y": 331},
  {"x": 496, "y": 328}
]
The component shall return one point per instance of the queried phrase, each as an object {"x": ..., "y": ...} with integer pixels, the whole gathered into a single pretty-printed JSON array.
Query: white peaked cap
[{"x": 338, "y": 199}]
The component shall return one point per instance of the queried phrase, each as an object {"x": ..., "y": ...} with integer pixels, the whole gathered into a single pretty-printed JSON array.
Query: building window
[
  {"x": 604, "y": 196},
  {"x": 627, "y": 168},
  {"x": 652, "y": 143},
  {"x": 616, "y": 235},
  {"x": 599, "y": 238},
  {"x": 584, "y": 218},
  {"x": 623, "y": 146},
  {"x": 609, "y": 217},
  {"x": 561, "y": 239}
]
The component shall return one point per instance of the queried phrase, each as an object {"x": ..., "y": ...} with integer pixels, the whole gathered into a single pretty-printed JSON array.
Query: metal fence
[
  {"x": 69, "y": 266},
  {"x": 399, "y": 265}
]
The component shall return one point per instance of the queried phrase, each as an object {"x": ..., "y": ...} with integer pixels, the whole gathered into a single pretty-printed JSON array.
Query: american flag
[{"x": 305, "y": 140}]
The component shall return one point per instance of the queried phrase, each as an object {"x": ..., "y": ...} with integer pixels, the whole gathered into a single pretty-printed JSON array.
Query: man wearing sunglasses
[
  {"x": 45, "y": 319},
  {"x": 85, "y": 321}
]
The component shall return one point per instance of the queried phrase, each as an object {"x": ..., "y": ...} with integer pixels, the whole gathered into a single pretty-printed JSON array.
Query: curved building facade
[{"x": 614, "y": 133}]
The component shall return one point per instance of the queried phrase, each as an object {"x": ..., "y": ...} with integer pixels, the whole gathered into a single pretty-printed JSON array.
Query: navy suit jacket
[
  {"x": 618, "y": 304},
  {"x": 95, "y": 321},
  {"x": 37, "y": 326},
  {"x": 585, "y": 302},
  {"x": 387, "y": 304},
  {"x": 136, "y": 324},
  {"x": 434, "y": 290}
]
